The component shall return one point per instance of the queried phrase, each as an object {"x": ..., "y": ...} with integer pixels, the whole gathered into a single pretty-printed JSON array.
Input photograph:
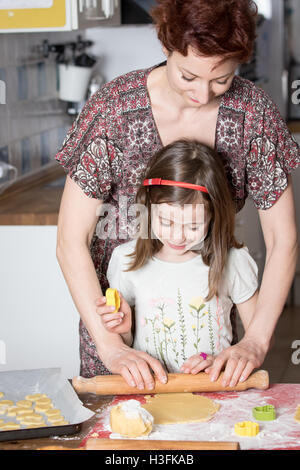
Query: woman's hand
[
  {"x": 196, "y": 363},
  {"x": 134, "y": 366},
  {"x": 240, "y": 361},
  {"x": 119, "y": 322}
]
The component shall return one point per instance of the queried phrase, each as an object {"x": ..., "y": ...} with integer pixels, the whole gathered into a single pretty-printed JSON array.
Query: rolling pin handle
[{"x": 259, "y": 379}]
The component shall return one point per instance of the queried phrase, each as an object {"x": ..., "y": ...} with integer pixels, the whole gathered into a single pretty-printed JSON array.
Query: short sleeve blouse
[{"x": 108, "y": 148}]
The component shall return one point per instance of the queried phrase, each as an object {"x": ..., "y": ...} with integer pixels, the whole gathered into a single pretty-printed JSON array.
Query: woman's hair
[
  {"x": 211, "y": 27},
  {"x": 191, "y": 162}
]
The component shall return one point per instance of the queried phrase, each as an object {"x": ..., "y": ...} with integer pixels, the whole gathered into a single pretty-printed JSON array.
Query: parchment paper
[{"x": 17, "y": 384}]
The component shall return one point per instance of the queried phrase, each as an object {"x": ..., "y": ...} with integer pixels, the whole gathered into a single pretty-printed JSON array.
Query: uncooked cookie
[
  {"x": 6, "y": 403},
  {"x": 297, "y": 414},
  {"x": 14, "y": 410},
  {"x": 24, "y": 403},
  {"x": 43, "y": 401},
  {"x": 33, "y": 418},
  {"x": 43, "y": 407},
  {"x": 39, "y": 425},
  {"x": 35, "y": 396},
  {"x": 1, "y": 394},
  {"x": 62, "y": 422},
  {"x": 54, "y": 418},
  {"x": 130, "y": 420},
  {"x": 9, "y": 426},
  {"x": 170, "y": 408},
  {"x": 21, "y": 416},
  {"x": 52, "y": 412}
]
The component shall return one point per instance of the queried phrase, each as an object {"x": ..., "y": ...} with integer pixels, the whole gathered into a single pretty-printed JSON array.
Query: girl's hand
[
  {"x": 119, "y": 322},
  {"x": 196, "y": 363},
  {"x": 240, "y": 361},
  {"x": 135, "y": 366}
]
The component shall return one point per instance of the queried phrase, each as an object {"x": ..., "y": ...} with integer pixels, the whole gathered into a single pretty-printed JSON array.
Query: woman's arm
[
  {"x": 247, "y": 309},
  {"x": 280, "y": 235},
  {"x": 76, "y": 226}
]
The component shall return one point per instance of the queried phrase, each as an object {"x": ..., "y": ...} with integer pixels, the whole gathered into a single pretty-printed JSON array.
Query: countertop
[{"x": 35, "y": 200}]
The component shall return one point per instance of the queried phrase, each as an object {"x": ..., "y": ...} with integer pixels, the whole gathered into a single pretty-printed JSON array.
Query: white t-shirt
[{"x": 173, "y": 322}]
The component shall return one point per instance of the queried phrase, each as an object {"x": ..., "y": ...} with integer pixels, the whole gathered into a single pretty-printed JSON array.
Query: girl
[{"x": 185, "y": 274}]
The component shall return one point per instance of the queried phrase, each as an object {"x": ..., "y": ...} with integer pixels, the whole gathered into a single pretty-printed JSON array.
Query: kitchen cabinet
[
  {"x": 57, "y": 15},
  {"x": 38, "y": 321}
]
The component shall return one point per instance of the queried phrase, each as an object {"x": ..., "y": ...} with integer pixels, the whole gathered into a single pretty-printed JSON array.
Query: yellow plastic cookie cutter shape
[
  {"x": 112, "y": 299},
  {"x": 246, "y": 428}
]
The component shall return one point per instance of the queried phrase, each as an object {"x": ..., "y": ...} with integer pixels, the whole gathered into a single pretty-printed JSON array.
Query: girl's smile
[{"x": 176, "y": 247}]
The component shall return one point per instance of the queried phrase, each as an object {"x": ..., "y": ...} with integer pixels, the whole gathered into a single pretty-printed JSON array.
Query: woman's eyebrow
[{"x": 217, "y": 78}]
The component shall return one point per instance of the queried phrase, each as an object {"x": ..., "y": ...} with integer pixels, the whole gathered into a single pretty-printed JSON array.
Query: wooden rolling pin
[
  {"x": 116, "y": 384},
  {"x": 148, "y": 444}
]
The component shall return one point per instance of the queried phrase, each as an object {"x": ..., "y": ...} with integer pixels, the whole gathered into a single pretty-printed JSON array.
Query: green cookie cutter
[{"x": 264, "y": 413}]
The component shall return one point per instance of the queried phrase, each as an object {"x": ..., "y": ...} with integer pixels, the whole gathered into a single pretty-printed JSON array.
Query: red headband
[{"x": 159, "y": 181}]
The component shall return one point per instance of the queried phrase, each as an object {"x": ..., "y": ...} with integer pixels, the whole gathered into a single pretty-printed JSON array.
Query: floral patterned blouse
[{"x": 108, "y": 148}]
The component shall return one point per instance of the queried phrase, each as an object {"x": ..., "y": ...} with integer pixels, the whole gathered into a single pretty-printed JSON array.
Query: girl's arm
[
  {"x": 76, "y": 226},
  {"x": 280, "y": 235}
]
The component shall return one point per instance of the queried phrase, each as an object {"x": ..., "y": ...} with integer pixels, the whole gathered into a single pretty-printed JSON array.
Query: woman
[{"x": 196, "y": 95}]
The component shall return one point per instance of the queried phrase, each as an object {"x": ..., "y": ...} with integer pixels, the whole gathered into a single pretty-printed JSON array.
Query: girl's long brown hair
[{"x": 191, "y": 162}]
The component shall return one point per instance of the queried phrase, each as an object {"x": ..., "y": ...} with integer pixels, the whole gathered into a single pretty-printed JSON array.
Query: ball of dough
[
  {"x": 130, "y": 420},
  {"x": 1, "y": 394}
]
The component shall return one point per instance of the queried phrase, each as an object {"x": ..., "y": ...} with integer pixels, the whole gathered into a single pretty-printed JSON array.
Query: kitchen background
[{"x": 38, "y": 322}]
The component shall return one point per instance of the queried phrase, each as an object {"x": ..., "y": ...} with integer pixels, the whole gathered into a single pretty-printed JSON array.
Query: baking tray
[{"x": 17, "y": 384}]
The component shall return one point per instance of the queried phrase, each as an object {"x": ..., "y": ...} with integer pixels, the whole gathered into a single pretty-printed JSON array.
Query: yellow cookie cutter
[
  {"x": 112, "y": 298},
  {"x": 246, "y": 428}
]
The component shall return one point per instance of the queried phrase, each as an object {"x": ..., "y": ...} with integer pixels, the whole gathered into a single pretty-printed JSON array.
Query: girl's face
[
  {"x": 179, "y": 228},
  {"x": 198, "y": 80}
]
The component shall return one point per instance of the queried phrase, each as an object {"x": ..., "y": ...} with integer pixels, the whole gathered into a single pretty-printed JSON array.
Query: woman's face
[{"x": 198, "y": 80}]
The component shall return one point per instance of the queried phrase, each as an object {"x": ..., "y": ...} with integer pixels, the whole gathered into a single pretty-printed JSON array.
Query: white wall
[{"x": 125, "y": 48}]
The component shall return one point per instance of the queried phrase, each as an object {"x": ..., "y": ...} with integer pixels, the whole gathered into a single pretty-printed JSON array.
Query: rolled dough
[{"x": 170, "y": 408}]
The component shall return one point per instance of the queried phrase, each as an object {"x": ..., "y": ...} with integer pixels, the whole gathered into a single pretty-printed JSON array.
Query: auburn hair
[
  {"x": 191, "y": 162},
  {"x": 224, "y": 28}
]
